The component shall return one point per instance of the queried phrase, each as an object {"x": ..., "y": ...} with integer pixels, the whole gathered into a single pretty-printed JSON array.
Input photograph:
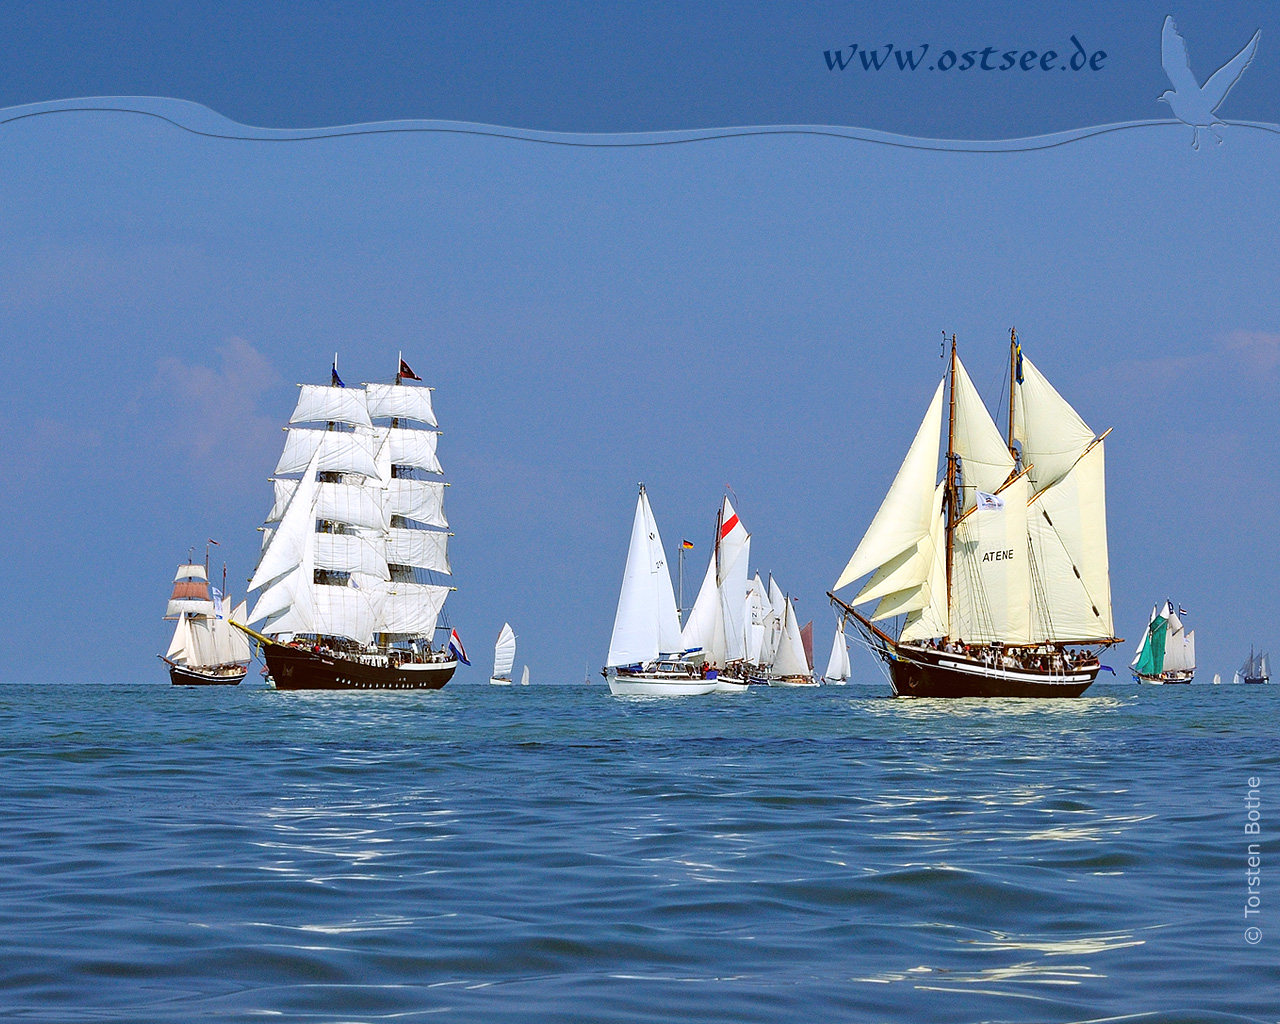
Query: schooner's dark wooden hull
[
  {"x": 295, "y": 668},
  {"x": 180, "y": 676},
  {"x": 929, "y": 673}
]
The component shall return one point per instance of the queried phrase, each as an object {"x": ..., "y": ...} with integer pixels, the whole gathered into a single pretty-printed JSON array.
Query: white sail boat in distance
[
  {"x": 999, "y": 573},
  {"x": 645, "y": 649},
  {"x": 205, "y": 649},
  {"x": 504, "y": 656},
  {"x": 837, "y": 673},
  {"x": 524, "y": 676}
]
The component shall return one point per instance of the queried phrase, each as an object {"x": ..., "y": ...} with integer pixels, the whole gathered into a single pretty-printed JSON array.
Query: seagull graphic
[{"x": 1192, "y": 103}]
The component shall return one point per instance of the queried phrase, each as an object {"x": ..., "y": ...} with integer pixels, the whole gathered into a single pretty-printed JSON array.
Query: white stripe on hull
[{"x": 656, "y": 686}]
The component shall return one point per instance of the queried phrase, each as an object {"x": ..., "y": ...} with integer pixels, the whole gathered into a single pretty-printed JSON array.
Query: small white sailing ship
[
  {"x": 354, "y": 543},
  {"x": 504, "y": 656},
  {"x": 1256, "y": 670},
  {"x": 205, "y": 649},
  {"x": 998, "y": 574},
  {"x": 645, "y": 650},
  {"x": 787, "y": 665},
  {"x": 524, "y": 676},
  {"x": 838, "y": 669},
  {"x": 1167, "y": 652},
  {"x": 716, "y": 630}
]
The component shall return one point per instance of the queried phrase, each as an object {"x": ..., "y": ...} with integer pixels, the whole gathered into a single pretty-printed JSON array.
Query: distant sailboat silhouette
[{"x": 1192, "y": 103}]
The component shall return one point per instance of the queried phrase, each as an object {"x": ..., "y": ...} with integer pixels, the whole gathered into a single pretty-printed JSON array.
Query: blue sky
[{"x": 761, "y": 312}]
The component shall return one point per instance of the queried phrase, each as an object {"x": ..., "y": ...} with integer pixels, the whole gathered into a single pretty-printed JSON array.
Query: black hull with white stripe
[
  {"x": 296, "y": 668},
  {"x": 921, "y": 672},
  {"x": 180, "y": 675}
]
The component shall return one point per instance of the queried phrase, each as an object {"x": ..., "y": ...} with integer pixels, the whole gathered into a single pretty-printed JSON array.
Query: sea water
[{"x": 553, "y": 853}]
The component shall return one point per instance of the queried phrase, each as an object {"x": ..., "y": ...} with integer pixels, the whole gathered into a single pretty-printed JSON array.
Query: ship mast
[
  {"x": 1013, "y": 380},
  {"x": 952, "y": 503}
]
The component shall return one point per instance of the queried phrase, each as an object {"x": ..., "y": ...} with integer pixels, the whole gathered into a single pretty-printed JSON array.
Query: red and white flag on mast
[{"x": 406, "y": 372}]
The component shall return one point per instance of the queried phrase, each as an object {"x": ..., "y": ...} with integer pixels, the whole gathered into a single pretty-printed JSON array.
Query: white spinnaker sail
[
  {"x": 903, "y": 519},
  {"x": 320, "y": 404},
  {"x": 1052, "y": 434},
  {"x": 398, "y": 401},
  {"x": 838, "y": 664},
  {"x": 340, "y": 451},
  {"x": 985, "y": 462},
  {"x": 504, "y": 652},
  {"x": 933, "y": 619},
  {"x": 790, "y": 659},
  {"x": 705, "y": 626},
  {"x": 1071, "y": 574},
  {"x": 646, "y": 617},
  {"x": 733, "y": 605},
  {"x": 990, "y": 577}
]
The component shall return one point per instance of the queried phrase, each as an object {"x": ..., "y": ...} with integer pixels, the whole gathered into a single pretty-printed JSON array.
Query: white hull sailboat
[
  {"x": 645, "y": 648},
  {"x": 504, "y": 656},
  {"x": 998, "y": 574}
]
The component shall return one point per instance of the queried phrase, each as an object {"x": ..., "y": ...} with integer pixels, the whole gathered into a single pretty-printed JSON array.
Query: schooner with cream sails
[
  {"x": 348, "y": 589},
  {"x": 994, "y": 565}
]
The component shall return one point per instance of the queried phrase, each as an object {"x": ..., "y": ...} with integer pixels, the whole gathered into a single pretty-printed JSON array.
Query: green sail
[{"x": 1151, "y": 660}]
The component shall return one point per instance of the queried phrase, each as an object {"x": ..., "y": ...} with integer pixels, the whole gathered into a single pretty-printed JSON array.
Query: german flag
[{"x": 687, "y": 545}]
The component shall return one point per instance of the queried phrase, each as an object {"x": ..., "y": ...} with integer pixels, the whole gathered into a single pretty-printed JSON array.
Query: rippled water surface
[{"x": 552, "y": 853}]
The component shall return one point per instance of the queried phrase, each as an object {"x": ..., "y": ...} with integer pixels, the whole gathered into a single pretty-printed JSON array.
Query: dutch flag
[{"x": 455, "y": 646}]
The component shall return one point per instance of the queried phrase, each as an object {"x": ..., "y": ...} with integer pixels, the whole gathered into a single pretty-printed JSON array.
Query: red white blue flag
[{"x": 455, "y": 645}]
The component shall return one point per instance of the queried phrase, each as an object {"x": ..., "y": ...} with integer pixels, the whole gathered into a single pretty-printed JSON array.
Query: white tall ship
[
  {"x": 990, "y": 571},
  {"x": 348, "y": 582},
  {"x": 1167, "y": 651},
  {"x": 205, "y": 649},
  {"x": 645, "y": 649}
]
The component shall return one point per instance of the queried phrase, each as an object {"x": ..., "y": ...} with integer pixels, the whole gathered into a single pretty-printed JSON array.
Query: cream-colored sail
[
  {"x": 990, "y": 576},
  {"x": 1070, "y": 570},
  {"x": 985, "y": 462},
  {"x": 1052, "y": 434},
  {"x": 904, "y": 516},
  {"x": 933, "y": 619}
]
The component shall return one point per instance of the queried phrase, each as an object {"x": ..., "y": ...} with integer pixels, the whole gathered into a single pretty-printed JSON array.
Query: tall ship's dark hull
[
  {"x": 180, "y": 676},
  {"x": 929, "y": 673},
  {"x": 295, "y": 668}
]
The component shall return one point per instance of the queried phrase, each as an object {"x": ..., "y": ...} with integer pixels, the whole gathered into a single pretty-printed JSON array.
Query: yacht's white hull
[
  {"x": 496, "y": 681},
  {"x": 794, "y": 681},
  {"x": 724, "y": 685},
  {"x": 638, "y": 685}
]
